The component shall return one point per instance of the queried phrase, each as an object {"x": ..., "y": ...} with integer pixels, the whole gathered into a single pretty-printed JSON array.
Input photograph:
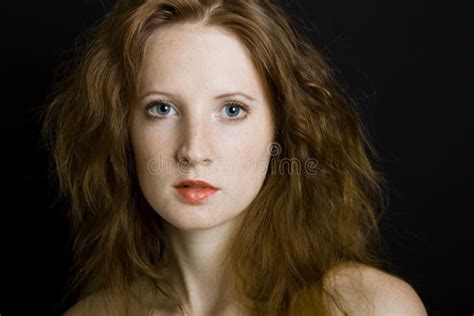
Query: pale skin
[{"x": 189, "y": 65}]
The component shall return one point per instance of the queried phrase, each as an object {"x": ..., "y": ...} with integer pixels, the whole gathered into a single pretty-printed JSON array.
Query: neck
[{"x": 196, "y": 267}]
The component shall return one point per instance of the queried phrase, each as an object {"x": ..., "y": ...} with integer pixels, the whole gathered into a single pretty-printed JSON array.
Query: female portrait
[{"x": 213, "y": 165}]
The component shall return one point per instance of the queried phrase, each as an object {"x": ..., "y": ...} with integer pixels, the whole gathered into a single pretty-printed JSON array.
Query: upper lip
[{"x": 189, "y": 182}]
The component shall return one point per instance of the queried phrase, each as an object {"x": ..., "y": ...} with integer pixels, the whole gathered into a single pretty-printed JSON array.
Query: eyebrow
[{"x": 225, "y": 95}]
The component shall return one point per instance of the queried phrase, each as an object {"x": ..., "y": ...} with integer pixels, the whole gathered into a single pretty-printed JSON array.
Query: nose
[{"x": 195, "y": 145}]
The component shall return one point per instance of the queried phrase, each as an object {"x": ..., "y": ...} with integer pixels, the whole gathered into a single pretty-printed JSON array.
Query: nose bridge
[{"x": 195, "y": 139}]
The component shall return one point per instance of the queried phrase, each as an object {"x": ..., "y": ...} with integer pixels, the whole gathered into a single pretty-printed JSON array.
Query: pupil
[
  {"x": 164, "y": 108},
  {"x": 233, "y": 109}
]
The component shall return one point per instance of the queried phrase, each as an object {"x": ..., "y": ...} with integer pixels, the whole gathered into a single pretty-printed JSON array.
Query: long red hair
[{"x": 301, "y": 224}]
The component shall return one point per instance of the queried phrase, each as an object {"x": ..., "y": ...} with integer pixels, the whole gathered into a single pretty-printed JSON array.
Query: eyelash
[{"x": 242, "y": 106}]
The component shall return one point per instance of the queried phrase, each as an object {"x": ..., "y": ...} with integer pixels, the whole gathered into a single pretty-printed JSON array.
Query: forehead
[{"x": 206, "y": 57}]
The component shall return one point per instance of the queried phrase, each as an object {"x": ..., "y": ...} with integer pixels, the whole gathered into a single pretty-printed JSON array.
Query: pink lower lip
[{"x": 196, "y": 196}]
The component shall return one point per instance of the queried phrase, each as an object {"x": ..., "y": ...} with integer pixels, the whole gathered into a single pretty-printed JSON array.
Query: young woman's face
[{"x": 188, "y": 125}]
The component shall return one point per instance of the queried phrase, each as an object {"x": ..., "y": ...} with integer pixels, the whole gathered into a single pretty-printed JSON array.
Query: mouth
[
  {"x": 195, "y": 191},
  {"x": 196, "y": 196},
  {"x": 195, "y": 184}
]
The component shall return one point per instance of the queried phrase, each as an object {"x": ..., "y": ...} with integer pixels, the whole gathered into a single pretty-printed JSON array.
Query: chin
[
  {"x": 197, "y": 225},
  {"x": 192, "y": 222}
]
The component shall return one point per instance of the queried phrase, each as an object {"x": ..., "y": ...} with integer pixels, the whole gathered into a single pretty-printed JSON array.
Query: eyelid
[
  {"x": 233, "y": 101},
  {"x": 154, "y": 102}
]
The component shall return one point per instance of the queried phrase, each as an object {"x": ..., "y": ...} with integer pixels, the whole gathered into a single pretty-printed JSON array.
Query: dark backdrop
[{"x": 406, "y": 62}]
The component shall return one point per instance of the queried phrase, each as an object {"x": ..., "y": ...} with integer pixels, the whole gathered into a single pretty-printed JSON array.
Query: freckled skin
[{"x": 195, "y": 64}]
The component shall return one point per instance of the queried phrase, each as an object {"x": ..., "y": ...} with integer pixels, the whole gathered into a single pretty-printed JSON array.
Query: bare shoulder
[
  {"x": 84, "y": 306},
  {"x": 113, "y": 303},
  {"x": 95, "y": 304},
  {"x": 364, "y": 290}
]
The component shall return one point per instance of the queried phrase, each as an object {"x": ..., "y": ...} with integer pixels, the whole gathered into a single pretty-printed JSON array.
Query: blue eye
[
  {"x": 233, "y": 109},
  {"x": 162, "y": 109}
]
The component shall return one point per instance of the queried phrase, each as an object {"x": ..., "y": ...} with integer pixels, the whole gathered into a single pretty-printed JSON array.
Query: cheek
[
  {"x": 246, "y": 175},
  {"x": 147, "y": 140},
  {"x": 144, "y": 144},
  {"x": 152, "y": 166},
  {"x": 247, "y": 159}
]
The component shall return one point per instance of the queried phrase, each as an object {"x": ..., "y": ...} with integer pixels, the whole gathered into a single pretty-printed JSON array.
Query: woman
[{"x": 214, "y": 167}]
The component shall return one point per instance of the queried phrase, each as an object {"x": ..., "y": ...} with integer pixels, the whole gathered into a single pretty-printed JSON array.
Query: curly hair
[{"x": 300, "y": 225}]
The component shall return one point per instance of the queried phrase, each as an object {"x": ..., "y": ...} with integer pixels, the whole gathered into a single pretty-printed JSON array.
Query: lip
[
  {"x": 195, "y": 195},
  {"x": 191, "y": 182}
]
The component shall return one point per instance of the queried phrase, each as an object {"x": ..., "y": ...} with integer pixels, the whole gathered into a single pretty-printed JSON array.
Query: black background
[{"x": 406, "y": 62}]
